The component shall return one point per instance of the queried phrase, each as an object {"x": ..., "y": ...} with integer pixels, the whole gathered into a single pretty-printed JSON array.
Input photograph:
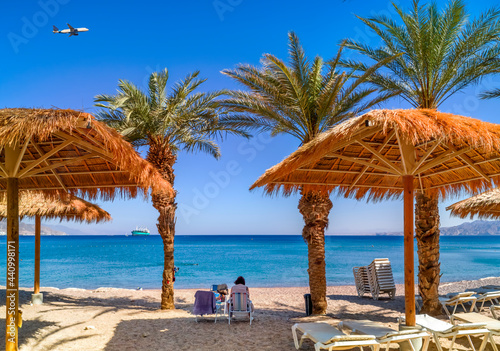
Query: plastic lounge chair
[
  {"x": 361, "y": 280},
  {"x": 325, "y": 336},
  {"x": 459, "y": 299},
  {"x": 492, "y": 297},
  {"x": 239, "y": 304},
  {"x": 384, "y": 335},
  {"x": 492, "y": 324},
  {"x": 441, "y": 329},
  {"x": 380, "y": 278},
  {"x": 495, "y": 311},
  {"x": 204, "y": 303}
]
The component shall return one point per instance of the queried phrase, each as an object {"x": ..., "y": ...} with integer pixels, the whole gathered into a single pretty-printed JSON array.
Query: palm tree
[
  {"x": 303, "y": 99},
  {"x": 443, "y": 52},
  {"x": 167, "y": 123}
]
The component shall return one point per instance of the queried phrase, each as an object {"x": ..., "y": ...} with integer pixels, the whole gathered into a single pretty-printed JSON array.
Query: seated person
[{"x": 240, "y": 287}]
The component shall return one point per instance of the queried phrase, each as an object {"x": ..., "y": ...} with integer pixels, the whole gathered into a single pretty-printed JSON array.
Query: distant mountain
[
  {"x": 29, "y": 229},
  {"x": 474, "y": 228}
]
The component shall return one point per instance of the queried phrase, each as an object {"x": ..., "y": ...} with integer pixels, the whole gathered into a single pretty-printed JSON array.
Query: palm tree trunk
[
  {"x": 161, "y": 156},
  {"x": 427, "y": 233},
  {"x": 315, "y": 208}
]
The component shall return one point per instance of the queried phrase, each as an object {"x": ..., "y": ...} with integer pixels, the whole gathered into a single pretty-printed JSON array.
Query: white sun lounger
[
  {"x": 492, "y": 297},
  {"x": 325, "y": 336},
  {"x": 494, "y": 310},
  {"x": 492, "y": 324},
  {"x": 459, "y": 299},
  {"x": 381, "y": 278},
  {"x": 384, "y": 335},
  {"x": 441, "y": 329},
  {"x": 361, "y": 280}
]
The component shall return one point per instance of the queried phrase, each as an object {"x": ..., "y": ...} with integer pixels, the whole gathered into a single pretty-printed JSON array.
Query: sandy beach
[{"x": 119, "y": 319}]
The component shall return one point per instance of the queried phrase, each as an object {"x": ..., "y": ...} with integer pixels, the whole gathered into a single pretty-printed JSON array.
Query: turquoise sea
[{"x": 264, "y": 260}]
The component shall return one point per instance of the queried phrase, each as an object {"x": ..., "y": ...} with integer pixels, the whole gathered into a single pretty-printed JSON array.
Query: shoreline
[{"x": 444, "y": 285}]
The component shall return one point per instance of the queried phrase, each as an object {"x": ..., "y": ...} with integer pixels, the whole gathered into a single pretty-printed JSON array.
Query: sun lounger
[
  {"x": 361, "y": 280},
  {"x": 492, "y": 325},
  {"x": 384, "y": 335},
  {"x": 325, "y": 336},
  {"x": 495, "y": 311},
  {"x": 376, "y": 278},
  {"x": 493, "y": 297},
  {"x": 441, "y": 329},
  {"x": 459, "y": 299},
  {"x": 380, "y": 278}
]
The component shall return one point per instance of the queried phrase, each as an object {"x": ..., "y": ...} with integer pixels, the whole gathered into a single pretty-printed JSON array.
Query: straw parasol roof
[
  {"x": 485, "y": 206},
  {"x": 62, "y": 151},
  {"x": 69, "y": 150},
  {"x": 389, "y": 153},
  {"x": 67, "y": 207},
  {"x": 364, "y": 156}
]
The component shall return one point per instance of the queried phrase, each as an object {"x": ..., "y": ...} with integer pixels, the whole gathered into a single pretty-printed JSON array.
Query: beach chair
[
  {"x": 204, "y": 303},
  {"x": 239, "y": 304},
  {"x": 325, "y": 336},
  {"x": 493, "y": 297},
  {"x": 492, "y": 325},
  {"x": 384, "y": 335},
  {"x": 442, "y": 329},
  {"x": 361, "y": 280},
  {"x": 495, "y": 311},
  {"x": 459, "y": 299},
  {"x": 380, "y": 278}
]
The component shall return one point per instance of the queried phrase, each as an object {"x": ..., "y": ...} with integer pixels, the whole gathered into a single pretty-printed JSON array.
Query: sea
[{"x": 133, "y": 262}]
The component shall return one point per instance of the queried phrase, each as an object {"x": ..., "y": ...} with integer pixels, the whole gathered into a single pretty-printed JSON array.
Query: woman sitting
[{"x": 240, "y": 287}]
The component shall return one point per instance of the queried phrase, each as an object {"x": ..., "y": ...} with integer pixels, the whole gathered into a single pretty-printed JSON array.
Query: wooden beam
[
  {"x": 58, "y": 164},
  {"x": 87, "y": 146},
  {"x": 409, "y": 260},
  {"x": 12, "y": 265},
  {"x": 83, "y": 173},
  {"x": 470, "y": 162},
  {"x": 59, "y": 180},
  {"x": 446, "y": 156},
  {"x": 339, "y": 184},
  {"x": 82, "y": 187},
  {"x": 43, "y": 157},
  {"x": 462, "y": 167},
  {"x": 381, "y": 157},
  {"x": 365, "y": 168},
  {"x": 20, "y": 157},
  {"x": 363, "y": 162},
  {"x": 427, "y": 154},
  {"x": 38, "y": 230},
  {"x": 344, "y": 172}
]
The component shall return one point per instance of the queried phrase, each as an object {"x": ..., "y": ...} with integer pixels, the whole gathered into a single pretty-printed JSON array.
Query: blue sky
[{"x": 131, "y": 40}]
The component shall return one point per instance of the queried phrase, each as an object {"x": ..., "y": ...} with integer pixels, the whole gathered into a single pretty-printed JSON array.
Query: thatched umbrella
[
  {"x": 387, "y": 153},
  {"x": 485, "y": 205},
  {"x": 64, "y": 207},
  {"x": 62, "y": 151}
]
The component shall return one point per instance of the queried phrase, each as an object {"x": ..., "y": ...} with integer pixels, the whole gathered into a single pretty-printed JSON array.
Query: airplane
[{"x": 71, "y": 31}]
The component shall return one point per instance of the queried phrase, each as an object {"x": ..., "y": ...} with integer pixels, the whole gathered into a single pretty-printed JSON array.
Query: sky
[{"x": 130, "y": 40}]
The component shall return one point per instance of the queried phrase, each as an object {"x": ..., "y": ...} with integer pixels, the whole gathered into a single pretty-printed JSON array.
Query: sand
[{"x": 120, "y": 319}]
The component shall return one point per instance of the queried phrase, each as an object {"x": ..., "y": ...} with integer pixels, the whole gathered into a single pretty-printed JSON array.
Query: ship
[{"x": 140, "y": 231}]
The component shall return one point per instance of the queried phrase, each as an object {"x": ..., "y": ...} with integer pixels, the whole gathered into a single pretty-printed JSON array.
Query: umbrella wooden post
[
  {"x": 38, "y": 229},
  {"x": 409, "y": 262},
  {"x": 12, "y": 290}
]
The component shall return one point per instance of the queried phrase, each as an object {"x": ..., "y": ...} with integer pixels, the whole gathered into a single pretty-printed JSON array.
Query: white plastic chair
[
  {"x": 442, "y": 329},
  {"x": 325, "y": 336},
  {"x": 384, "y": 335},
  {"x": 492, "y": 324},
  {"x": 239, "y": 304}
]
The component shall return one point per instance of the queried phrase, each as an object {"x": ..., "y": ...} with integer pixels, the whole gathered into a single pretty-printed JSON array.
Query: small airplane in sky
[{"x": 71, "y": 31}]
